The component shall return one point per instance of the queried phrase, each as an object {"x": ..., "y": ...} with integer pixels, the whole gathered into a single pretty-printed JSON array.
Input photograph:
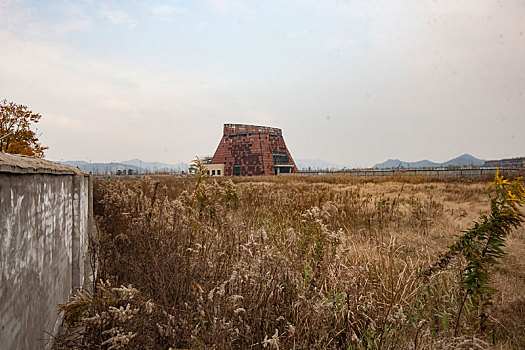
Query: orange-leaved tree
[{"x": 16, "y": 135}]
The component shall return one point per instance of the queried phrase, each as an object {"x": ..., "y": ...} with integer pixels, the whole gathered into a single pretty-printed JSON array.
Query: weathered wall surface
[{"x": 44, "y": 216}]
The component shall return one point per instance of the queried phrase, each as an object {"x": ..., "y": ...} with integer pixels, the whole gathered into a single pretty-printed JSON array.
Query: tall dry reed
[{"x": 288, "y": 264}]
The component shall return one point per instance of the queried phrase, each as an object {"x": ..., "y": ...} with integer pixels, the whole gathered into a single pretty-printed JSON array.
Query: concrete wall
[{"x": 44, "y": 228}]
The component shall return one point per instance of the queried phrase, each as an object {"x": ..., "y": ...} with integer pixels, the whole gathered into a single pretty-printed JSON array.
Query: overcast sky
[{"x": 352, "y": 82}]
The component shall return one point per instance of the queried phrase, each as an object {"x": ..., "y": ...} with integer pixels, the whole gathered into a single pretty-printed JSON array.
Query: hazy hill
[
  {"x": 156, "y": 166},
  {"x": 463, "y": 160},
  {"x": 101, "y": 168},
  {"x": 136, "y": 165},
  {"x": 396, "y": 163},
  {"x": 315, "y": 164}
]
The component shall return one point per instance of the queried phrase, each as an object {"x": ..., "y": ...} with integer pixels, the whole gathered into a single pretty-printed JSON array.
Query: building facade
[
  {"x": 248, "y": 150},
  {"x": 507, "y": 163}
]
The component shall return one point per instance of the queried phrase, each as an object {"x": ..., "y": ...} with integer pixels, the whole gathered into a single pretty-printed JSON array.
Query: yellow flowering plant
[{"x": 482, "y": 245}]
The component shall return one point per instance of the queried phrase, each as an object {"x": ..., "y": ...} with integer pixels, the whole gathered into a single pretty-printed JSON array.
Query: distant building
[
  {"x": 247, "y": 150},
  {"x": 213, "y": 169},
  {"x": 507, "y": 163}
]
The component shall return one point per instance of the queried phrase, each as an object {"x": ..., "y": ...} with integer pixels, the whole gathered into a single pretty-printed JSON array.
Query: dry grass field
[{"x": 297, "y": 262}]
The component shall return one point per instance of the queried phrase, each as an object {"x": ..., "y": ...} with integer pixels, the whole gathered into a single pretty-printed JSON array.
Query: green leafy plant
[{"x": 482, "y": 245}]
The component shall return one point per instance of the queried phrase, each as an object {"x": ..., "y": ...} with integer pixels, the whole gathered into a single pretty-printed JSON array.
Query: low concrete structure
[
  {"x": 215, "y": 169},
  {"x": 45, "y": 225}
]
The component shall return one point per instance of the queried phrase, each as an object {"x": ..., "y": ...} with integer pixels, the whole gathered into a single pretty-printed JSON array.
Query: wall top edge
[
  {"x": 242, "y": 128},
  {"x": 18, "y": 164},
  {"x": 252, "y": 125}
]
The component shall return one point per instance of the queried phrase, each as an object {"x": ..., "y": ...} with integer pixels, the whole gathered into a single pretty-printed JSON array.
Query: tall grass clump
[{"x": 290, "y": 264}]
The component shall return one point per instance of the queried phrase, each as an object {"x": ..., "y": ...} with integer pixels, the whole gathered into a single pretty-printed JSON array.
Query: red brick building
[{"x": 247, "y": 150}]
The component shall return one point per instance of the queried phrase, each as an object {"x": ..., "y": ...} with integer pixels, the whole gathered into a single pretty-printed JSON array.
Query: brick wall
[{"x": 248, "y": 150}]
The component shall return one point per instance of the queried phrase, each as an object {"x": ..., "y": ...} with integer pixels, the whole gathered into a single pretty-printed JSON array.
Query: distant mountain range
[
  {"x": 136, "y": 165},
  {"x": 463, "y": 160},
  {"x": 156, "y": 166},
  {"x": 141, "y": 167}
]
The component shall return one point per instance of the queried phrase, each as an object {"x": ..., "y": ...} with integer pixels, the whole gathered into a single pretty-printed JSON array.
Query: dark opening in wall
[{"x": 236, "y": 170}]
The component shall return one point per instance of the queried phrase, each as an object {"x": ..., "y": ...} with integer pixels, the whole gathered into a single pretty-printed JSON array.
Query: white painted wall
[{"x": 44, "y": 220}]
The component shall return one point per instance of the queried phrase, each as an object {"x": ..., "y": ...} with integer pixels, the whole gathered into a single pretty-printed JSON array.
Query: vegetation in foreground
[{"x": 302, "y": 263}]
